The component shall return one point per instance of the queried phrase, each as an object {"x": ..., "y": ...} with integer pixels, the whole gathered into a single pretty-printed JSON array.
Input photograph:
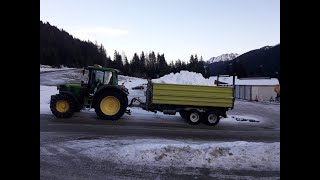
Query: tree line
[{"x": 57, "y": 47}]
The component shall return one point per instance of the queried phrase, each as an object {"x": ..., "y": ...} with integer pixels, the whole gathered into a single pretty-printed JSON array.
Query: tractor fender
[
  {"x": 108, "y": 88},
  {"x": 75, "y": 99}
]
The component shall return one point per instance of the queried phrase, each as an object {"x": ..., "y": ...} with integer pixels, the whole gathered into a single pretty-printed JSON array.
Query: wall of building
[
  {"x": 252, "y": 93},
  {"x": 266, "y": 92}
]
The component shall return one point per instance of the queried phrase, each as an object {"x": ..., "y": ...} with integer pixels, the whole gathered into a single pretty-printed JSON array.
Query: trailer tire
[
  {"x": 193, "y": 117},
  {"x": 211, "y": 118}
]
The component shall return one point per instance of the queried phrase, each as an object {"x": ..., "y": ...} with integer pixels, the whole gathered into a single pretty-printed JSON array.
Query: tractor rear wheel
[
  {"x": 62, "y": 106},
  {"x": 110, "y": 105}
]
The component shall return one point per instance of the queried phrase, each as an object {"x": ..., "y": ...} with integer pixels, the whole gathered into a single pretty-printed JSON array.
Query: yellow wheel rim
[
  {"x": 110, "y": 105},
  {"x": 62, "y": 106}
]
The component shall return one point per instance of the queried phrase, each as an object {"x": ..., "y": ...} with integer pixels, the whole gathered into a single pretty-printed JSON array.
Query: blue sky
[{"x": 177, "y": 28}]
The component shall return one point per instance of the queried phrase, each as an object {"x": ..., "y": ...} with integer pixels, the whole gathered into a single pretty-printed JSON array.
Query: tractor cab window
[
  {"x": 108, "y": 78},
  {"x": 85, "y": 76},
  {"x": 96, "y": 78},
  {"x": 99, "y": 76}
]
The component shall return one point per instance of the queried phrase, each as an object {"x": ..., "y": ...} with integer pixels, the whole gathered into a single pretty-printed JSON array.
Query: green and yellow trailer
[{"x": 194, "y": 103}]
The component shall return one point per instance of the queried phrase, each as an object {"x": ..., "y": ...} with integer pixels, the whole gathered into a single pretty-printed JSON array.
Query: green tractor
[{"x": 100, "y": 91}]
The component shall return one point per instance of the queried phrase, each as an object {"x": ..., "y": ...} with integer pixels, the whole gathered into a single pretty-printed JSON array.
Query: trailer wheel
[
  {"x": 193, "y": 117},
  {"x": 211, "y": 118}
]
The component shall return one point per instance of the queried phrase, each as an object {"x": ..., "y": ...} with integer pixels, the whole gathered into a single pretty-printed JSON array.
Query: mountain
[
  {"x": 57, "y": 47},
  {"x": 223, "y": 57},
  {"x": 264, "y": 61}
]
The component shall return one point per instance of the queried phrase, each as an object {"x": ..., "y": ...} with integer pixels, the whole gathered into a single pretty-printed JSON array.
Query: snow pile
[
  {"x": 160, "y": 152},
  {"x": 45, "y": 95},
  {"x": 130, "y": 82},
  {"x": 185, "y": 77}
]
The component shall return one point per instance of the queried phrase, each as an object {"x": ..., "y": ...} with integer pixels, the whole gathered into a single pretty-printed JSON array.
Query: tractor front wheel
[
  {"x": 110, "y": 105},
  {"x": 62, "y": 106}
]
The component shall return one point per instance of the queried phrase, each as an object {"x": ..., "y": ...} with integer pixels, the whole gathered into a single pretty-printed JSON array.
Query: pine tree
[
  {"x": 142, "y": 63},
  {"x": 151, "y": 71},
  {"x": 126, "y": 69},
  {"x": 135, "y": 69},
  {"x": 118, "y": 61},
  {"x": 163, "y": 66}
]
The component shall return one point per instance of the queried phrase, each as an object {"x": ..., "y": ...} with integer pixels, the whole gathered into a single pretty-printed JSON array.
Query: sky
[{"x": 177, "y": 28}]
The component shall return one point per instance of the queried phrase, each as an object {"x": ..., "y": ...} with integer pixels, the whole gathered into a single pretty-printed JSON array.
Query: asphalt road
[{"x": 86, "y": 125}]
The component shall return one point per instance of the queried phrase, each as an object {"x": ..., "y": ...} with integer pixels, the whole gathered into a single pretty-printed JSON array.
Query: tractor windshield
[
  {"x": 99, "y": 76},
  {"x": 102, "y": 77}
]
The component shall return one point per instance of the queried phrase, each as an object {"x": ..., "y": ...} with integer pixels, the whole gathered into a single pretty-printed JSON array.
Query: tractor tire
[
  {"x": 62, "y": 106},
  {"x": 183, "y": 113},
  {"x": 193, "y": 117},
  {"x": 110, "y": 105},
  {"x": 211, "y": 118}
]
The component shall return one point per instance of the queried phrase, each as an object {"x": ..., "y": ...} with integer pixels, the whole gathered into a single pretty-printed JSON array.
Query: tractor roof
[{"x": 100, "y": 68}]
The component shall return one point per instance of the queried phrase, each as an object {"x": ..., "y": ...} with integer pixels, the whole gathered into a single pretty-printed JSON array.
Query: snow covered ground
[
  {"x": 44, "y": 68},
  {"x": 45, "y": 94},
  {"x": 238, "y": 155}
]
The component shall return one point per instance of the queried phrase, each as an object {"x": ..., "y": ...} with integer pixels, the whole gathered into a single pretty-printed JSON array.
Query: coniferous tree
[
  {"x": 152, "y": 65},
  {"x": 126, "y": 68},
  {"x": 142, "y": 62},
  {"x": 135, "y": 69},
  {"x": 117, "y": 61},
  {"x": 163, "y": 66}
]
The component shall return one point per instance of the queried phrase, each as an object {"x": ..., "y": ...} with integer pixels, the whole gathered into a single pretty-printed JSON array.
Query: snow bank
[
  {"x": 45, "y": 94},
  {"x": 44, "y": 68},
  {"x": 160, "y": 152},
  {"x": 131, "y": 82},
  {"x": 185, "y": 77}
]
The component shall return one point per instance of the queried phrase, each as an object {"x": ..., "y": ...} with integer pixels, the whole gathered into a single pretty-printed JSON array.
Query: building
[{"x": 252, "y": 89}]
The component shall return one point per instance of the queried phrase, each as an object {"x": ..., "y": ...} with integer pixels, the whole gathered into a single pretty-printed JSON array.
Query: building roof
[{"x": 264, "y": 81}]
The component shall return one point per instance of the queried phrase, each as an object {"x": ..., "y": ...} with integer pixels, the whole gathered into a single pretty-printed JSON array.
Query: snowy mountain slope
[{"x": 223, "y": 57}]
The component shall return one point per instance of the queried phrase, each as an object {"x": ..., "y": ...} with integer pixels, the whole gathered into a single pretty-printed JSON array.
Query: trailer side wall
[{"x": 175, "y": 94}]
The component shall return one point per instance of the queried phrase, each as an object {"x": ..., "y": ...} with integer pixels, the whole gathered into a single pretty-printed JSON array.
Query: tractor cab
[{"x": 97, "y": 76}]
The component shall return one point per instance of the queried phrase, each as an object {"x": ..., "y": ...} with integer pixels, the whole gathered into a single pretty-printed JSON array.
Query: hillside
[
  {"x": 57, "y": 47},
  {"x": 223, "y": 57},
  {"x": 259, "y": 62}
]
